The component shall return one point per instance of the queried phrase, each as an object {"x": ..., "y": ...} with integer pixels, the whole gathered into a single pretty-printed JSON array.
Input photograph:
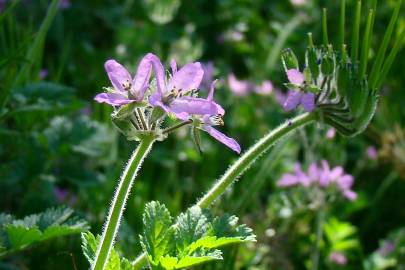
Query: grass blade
[
  {"x": 366, "y": 45},
  {"x": 390, "y": 59},
  {"x": 383, "y": 49},
  {"x": 356, "y": 33},
  {"x": 342, "y": 24},
  {"x": 325, "y": 27}
]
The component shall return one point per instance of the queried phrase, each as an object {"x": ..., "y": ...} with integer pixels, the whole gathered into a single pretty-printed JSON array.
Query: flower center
[{"x": 126, "y": 85}]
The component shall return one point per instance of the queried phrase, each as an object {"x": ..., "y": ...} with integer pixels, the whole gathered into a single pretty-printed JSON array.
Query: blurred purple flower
[
  {"x": 43, "y": 73},
  {"x": 265, "y": 88},
  {"x": 64, "y": 4},
  {"x": 61, "y": 194},
  {"x": 126, "y": 89},
  {"x": 238, "y": 87},
  {"x": 172, "y": 96},
  {"x": 372, "y": 153},
  {"x": 338, "y": 258},
  {"x": 331, "y": 133},
  {"x": 323, "y": 176},
  {"x": 298, "y": 3},
  {"x": 298, "y": 96},
  {"x": 208, "y": 121},
  {"x": 208, "y": 74},
  {"x": 2, "y": 5},
  {"x": 387, "y": 248}
]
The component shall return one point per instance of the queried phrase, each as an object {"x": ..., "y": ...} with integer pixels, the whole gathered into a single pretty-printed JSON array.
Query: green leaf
[
  {"x": 157, "y": 234},
  {"x": 196, "y": 235},
  {"x": 20, "y": 236},
  {"x": 191, "y": 226},
  {"x": 89, "y": 247},
  {"x": 17, "y": 234},
  {"x": 188, "y": 261}
]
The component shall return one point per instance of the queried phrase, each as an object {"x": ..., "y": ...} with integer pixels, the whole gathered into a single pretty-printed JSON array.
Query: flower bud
[
  {"x": 312, "y": 61},
  {"x": 289, "y": 59}
]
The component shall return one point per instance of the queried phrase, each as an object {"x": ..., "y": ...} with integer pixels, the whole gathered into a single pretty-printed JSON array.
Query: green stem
[
  {"x": 250, "y": 156},
  {"x": 118, "y": 204},
  {"x": 320, "y": 219},
  {"x": 242, "y": 164}
]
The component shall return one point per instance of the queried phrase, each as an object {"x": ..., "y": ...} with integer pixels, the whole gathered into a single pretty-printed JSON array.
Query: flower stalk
[
  {"x": 250, "y": 156},
  {"x": 118, "y": 204}
]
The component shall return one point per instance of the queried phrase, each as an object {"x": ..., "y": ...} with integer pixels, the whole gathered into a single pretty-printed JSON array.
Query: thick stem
[
  {"x": 250, "y": 156},
  {"x": 242, "y": 164},
  {"x": 118, "y": 204}
]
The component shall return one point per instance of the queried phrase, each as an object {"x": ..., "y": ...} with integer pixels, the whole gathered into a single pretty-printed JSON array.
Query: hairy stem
[
  {"x": 242, "y": 164},
  {"x": 250, "y": 156},
  {"x": 118, "y": 204}
]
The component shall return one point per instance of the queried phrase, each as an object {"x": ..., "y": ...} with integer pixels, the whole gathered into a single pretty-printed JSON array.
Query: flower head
[
  {"x": 298, "y": 95},
  {"x": 125, "y": 88},
  {"x": 322, "y": 176},
  {"x": 178, "y": 95}
]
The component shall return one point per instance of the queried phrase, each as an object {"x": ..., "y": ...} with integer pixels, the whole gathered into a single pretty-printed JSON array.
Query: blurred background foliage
[{"x": 58, "y": 147}]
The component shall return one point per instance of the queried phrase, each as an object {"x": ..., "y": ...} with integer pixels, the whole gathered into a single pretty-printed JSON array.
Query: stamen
[
  {"x": 216, "y": 120},
  {"x": 127, "y": 85}
]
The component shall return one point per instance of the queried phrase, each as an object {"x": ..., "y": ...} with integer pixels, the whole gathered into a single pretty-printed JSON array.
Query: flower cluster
[
  {"x": 323, "y": 176},
  {"x": 141, "y": 103}
]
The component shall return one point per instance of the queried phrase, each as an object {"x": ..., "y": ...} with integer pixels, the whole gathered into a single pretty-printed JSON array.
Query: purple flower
[
  {"x": 2, "y": 5},
  {"x": 64, "y": 4},
  {"x": 323, "y": 176},
  {"x": 372, "y": 153},
  {"x": 60, "y": 194},
  {"x": 331, "y": 133},
  {"x": 126, "y": 90},
  {"x": 338, "y": 258},
  {"x": 43, "y": 73},
  {"x": 387, "y": 248},
  {"x": 210, "y": 120},
  {"x": 176, "y": 95},
  {"x": 265, "y": 88},
  {"x": 238, "y": 87},
  {"x": 298, "y": 96}
]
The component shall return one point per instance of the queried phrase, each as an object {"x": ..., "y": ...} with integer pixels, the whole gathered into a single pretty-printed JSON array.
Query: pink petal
[
  {"x": 308, "y": 102},
  {"x": 159, "y": 73},
  {"x": 193, "y": 105},
  {"x": 210, "y": 97},
  {"x": 238, "y": 87},
  {"x": 114, "y": 99},
  {"x": 141, "y": 79},
  {"x": 231, "y": 143},
  {"x": 292, "y": 101},
  {"x": 173, "y": 66},
  {"x": 288, "y": 180},
  {"x": 187, "y": 78},
  {"x": 118, "y": 74},
  {"x": 295, "y": 76},
  {"x": 350, "y": 195},
  {"x": 265, "y": 88},
  {"x": 345, "y": 182}
]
